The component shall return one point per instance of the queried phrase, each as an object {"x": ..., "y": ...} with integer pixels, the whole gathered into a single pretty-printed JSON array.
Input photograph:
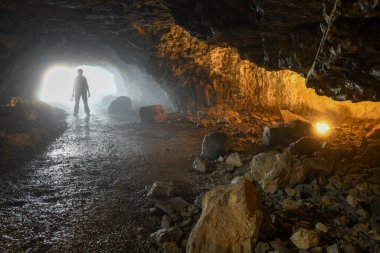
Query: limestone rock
[
  {"x": 304, "y": 146},
  {"x": 152, "y": 114},
  {"x": 305, "y": 239},
  {"x": 120, "y": 107},
  {"x": 230, "y": 220},
  {"x": 161, "y": 189},
  {"x": 234, "y": 159},
  {"x": 283, "y": 169},
  {"x": 214, "y": 145},
  {"x": 284, "y": 134}
]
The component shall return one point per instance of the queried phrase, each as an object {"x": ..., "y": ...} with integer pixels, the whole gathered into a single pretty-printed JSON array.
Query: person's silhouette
[{"x": 81, "y": 90}]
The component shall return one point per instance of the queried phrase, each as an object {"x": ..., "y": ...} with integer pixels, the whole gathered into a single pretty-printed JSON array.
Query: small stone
[
  {"x": 351, "y": 200},
  {"x": 185, "y": 222},
  {"x": 172, "y": 205},
  {"x": 262, "y": 247},
  {"x": 290, "y": 192},
  {"x": 167, "y": 234},
  {"x": 332, "y": 249},
  {"x": 316, "y": 250},
  {"x": 200, "y": 165},
  {"x": 290, "y": 205},
  {"x": 171, "y": 247},
  {"x": 161, "y": 189},
  {"x": 166, "y": 221},
  {"x": 321, "y": 227},
  {"x": 336, "y": 182},
  {"x": 234, "y": 160},
  {"x": 305, "y": 239},
  {"x": 374, "y": 235},
  {"x": 198, "y": 200},
  {"x": 348, "y": 248}
]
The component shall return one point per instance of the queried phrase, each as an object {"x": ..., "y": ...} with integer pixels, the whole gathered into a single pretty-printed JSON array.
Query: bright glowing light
[
  {"x": 322, "y": 128},
  {"x": 58, "y": 83}
]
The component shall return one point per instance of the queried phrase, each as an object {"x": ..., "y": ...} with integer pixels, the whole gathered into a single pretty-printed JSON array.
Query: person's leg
[
  {"x": 85, "y": 102},
  {"x": 76, "y": 106}
]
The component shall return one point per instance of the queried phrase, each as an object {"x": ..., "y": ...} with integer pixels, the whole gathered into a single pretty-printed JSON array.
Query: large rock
[
  {"x": 214, "y": 145},
  {"x": 273, "y": 170},
  {"x": 107, "y": 100},
  {"x": 284, "y": 134},
  {"x": 120, "y": 107},
  {"x": 230, "y": 220},
  {"x": 152, "y": 114},
  {"x": 305, "y": 146}
]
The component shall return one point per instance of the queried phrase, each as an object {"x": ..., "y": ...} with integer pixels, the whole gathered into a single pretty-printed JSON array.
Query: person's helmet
[{"x": 80, "y": 71}]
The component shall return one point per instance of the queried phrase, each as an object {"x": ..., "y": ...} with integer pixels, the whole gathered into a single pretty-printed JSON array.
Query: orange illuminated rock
[{"x": 152, "y": 114}]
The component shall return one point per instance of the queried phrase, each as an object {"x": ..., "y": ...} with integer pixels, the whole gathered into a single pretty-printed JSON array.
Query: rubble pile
[
  {"x": 25, "y": 127},
  {"x": 309, "y": 194}
]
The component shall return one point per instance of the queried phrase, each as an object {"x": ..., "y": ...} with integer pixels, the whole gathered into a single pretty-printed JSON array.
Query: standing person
[{"x": 81, "y": 90}]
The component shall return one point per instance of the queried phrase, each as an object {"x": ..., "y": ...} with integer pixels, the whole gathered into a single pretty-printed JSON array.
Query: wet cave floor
[{"x": 85, "y": 193}]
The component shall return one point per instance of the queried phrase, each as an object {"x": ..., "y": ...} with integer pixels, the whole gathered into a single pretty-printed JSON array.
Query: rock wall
[{"x": 217, "y": 75}]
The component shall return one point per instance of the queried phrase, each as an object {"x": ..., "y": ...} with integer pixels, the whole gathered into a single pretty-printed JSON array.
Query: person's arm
[{"x": 87, "y": 88}]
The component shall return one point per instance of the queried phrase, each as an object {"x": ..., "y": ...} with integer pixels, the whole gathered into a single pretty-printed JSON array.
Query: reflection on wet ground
[{"x": 86, "y": 192}]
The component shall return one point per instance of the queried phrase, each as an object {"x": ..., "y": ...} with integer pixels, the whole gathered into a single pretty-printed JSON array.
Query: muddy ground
[{"x": 85, "y": 193}]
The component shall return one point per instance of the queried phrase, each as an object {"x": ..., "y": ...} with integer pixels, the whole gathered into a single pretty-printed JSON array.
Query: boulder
[
  {"x": 305, "y": 146},
  {"x": 234, "y": 160},
  {"x": 214, "y": 145},
  {"x": 120, "y": 107},
  {"x": 230, "y": 220},
  {"x": 161, "y": 189},
  {"x": 152, "y": 114},
  {"x": 20, "y": 141},
  {"x": 286, "y": 133},
  {"x": 278, "y": 170},
  {"x": 305, "y": 239}
]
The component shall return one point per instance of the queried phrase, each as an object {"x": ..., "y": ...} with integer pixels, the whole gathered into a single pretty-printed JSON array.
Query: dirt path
[{"x": 86, "y": 192}]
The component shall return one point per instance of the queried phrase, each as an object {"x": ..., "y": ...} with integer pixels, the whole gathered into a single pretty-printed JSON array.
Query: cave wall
[{"x": 248, "y": 55}]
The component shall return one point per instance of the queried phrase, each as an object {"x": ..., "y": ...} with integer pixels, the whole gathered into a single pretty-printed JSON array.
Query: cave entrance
[{"x": 57, "y": 85}]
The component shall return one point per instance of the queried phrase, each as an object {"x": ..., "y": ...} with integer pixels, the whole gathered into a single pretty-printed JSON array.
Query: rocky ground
[
  {"x": 318, "y": 194},
  {"x": 25, "y": 128},
  {"x": 94, "y": 188}
]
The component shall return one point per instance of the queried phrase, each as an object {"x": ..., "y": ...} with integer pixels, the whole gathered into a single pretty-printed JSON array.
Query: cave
[{"x": 231, "y": 126}]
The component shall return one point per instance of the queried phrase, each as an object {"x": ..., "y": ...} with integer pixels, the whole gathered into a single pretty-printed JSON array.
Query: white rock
[{"x": 234, "y": 159}]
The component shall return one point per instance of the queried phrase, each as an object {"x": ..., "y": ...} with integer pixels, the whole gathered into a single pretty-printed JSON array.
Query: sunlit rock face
[{"x": 241, "y": 54}]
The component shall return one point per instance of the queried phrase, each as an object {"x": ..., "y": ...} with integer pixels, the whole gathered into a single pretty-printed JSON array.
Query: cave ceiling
[{"x": 334, "y": 44}]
